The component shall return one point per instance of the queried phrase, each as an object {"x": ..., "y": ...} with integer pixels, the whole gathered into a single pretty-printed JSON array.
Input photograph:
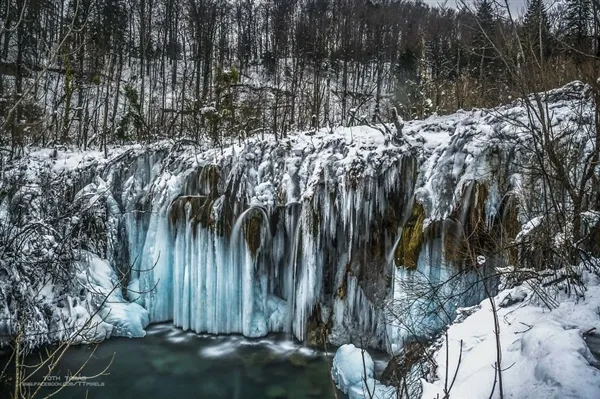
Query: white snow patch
[{"x": 544, "y": 354}]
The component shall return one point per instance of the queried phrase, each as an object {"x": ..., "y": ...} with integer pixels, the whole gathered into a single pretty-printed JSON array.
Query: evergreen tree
[
  {"x": 487, "y": 69},
  {"x": 484, "y": 12},
  {"x": 577, "y": 19},
  {"x": 536, "y": 30},
  {"x": 483, "y": 39}
]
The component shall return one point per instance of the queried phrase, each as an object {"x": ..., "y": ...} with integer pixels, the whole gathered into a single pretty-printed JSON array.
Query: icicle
[
  {"x": 390, "y": 256},
  {"x": 240, "y": 255},
  {"x": 235, "y": 232},
  {"x": 294, "y": 234}
]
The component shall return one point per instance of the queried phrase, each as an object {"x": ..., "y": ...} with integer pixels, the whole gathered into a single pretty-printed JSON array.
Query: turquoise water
[{"x": 170, "y": 363}]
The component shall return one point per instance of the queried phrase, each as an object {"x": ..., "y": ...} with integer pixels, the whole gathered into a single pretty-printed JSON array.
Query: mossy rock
[
  {"x": 409, "y": 247},
  {"x": 252, "y": 233},
  {"x": 466, "y": 233},
  {"x": 196, "y": 209},
  {"x": 317, "y": 329},
  {"x": 208, "y": 180}
]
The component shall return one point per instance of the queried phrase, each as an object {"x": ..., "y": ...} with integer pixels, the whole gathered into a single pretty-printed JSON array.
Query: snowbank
[
  {"x": 127, "y": 319},
  {"x": 353, "y": 373},
  {"x": 544, "y": 353}
]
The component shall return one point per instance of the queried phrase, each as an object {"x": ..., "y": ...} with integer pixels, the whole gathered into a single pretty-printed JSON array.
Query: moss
[
  {"x": 454, "y": 241},
  {"x": 409, "y": 247},
  {"x": 196, "y": 206},
  {"x": 201, "y": 213},
  {"x": 176, "y": 211},
  {"x": 204, "y": 181},
  {"x": 252, "y": 233},
  {"x": 196, "y": 209}
]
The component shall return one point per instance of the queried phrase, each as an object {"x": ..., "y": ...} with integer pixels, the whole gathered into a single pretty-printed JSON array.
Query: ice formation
[
  {"x": 252, "y": 239},
  {"x": 312, "y": 234},
  {"x": 353, "y": 372}
]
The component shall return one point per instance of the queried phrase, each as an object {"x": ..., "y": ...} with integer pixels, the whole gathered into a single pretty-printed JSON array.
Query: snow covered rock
[
  {"x": 353, "y": 373},
  {"x": 127, "y": 319}
]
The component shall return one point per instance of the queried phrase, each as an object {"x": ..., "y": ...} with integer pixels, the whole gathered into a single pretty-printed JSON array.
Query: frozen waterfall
[
  {"x": 267, "y": 238},
  {"x": 303, "y": 236},
  {"x": 324, "y": 235}
]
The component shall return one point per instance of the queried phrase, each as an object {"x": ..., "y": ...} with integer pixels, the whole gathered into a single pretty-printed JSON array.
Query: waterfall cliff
[{"x": 315, "y": 234}]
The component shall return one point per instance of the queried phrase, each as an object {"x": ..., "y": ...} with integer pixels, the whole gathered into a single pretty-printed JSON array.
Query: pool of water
[{"x": 170, "y": 363}]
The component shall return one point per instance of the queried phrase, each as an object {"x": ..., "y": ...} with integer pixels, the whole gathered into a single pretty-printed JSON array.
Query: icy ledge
[
  {"x": 353, "y": 372},
  {"x": 544, "y": 353}
]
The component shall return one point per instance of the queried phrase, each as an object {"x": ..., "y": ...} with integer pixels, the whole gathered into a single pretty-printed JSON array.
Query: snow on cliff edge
[{"x": 544, "y": 353}]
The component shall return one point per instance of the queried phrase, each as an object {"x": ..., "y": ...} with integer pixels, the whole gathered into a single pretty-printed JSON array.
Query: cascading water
[
  {"x": 218, "y": 252},
  {"x": 312, "y": 240}
]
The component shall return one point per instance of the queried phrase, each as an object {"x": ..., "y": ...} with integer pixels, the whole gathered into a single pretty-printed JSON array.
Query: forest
[{"x": 94, "y": 73}]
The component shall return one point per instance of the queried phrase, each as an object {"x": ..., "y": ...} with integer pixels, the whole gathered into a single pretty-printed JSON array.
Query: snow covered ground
[{"x": 544, "y": 352}]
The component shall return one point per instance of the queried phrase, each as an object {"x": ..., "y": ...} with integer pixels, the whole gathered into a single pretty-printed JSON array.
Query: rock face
[{"x": 314, "y": 234}]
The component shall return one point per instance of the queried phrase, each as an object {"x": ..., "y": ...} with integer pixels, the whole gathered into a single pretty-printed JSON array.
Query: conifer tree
[
  {"x": 577, "y": 19},
  {"x": 536, "y": 29},
  {"x": 486, "y": 68}
]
